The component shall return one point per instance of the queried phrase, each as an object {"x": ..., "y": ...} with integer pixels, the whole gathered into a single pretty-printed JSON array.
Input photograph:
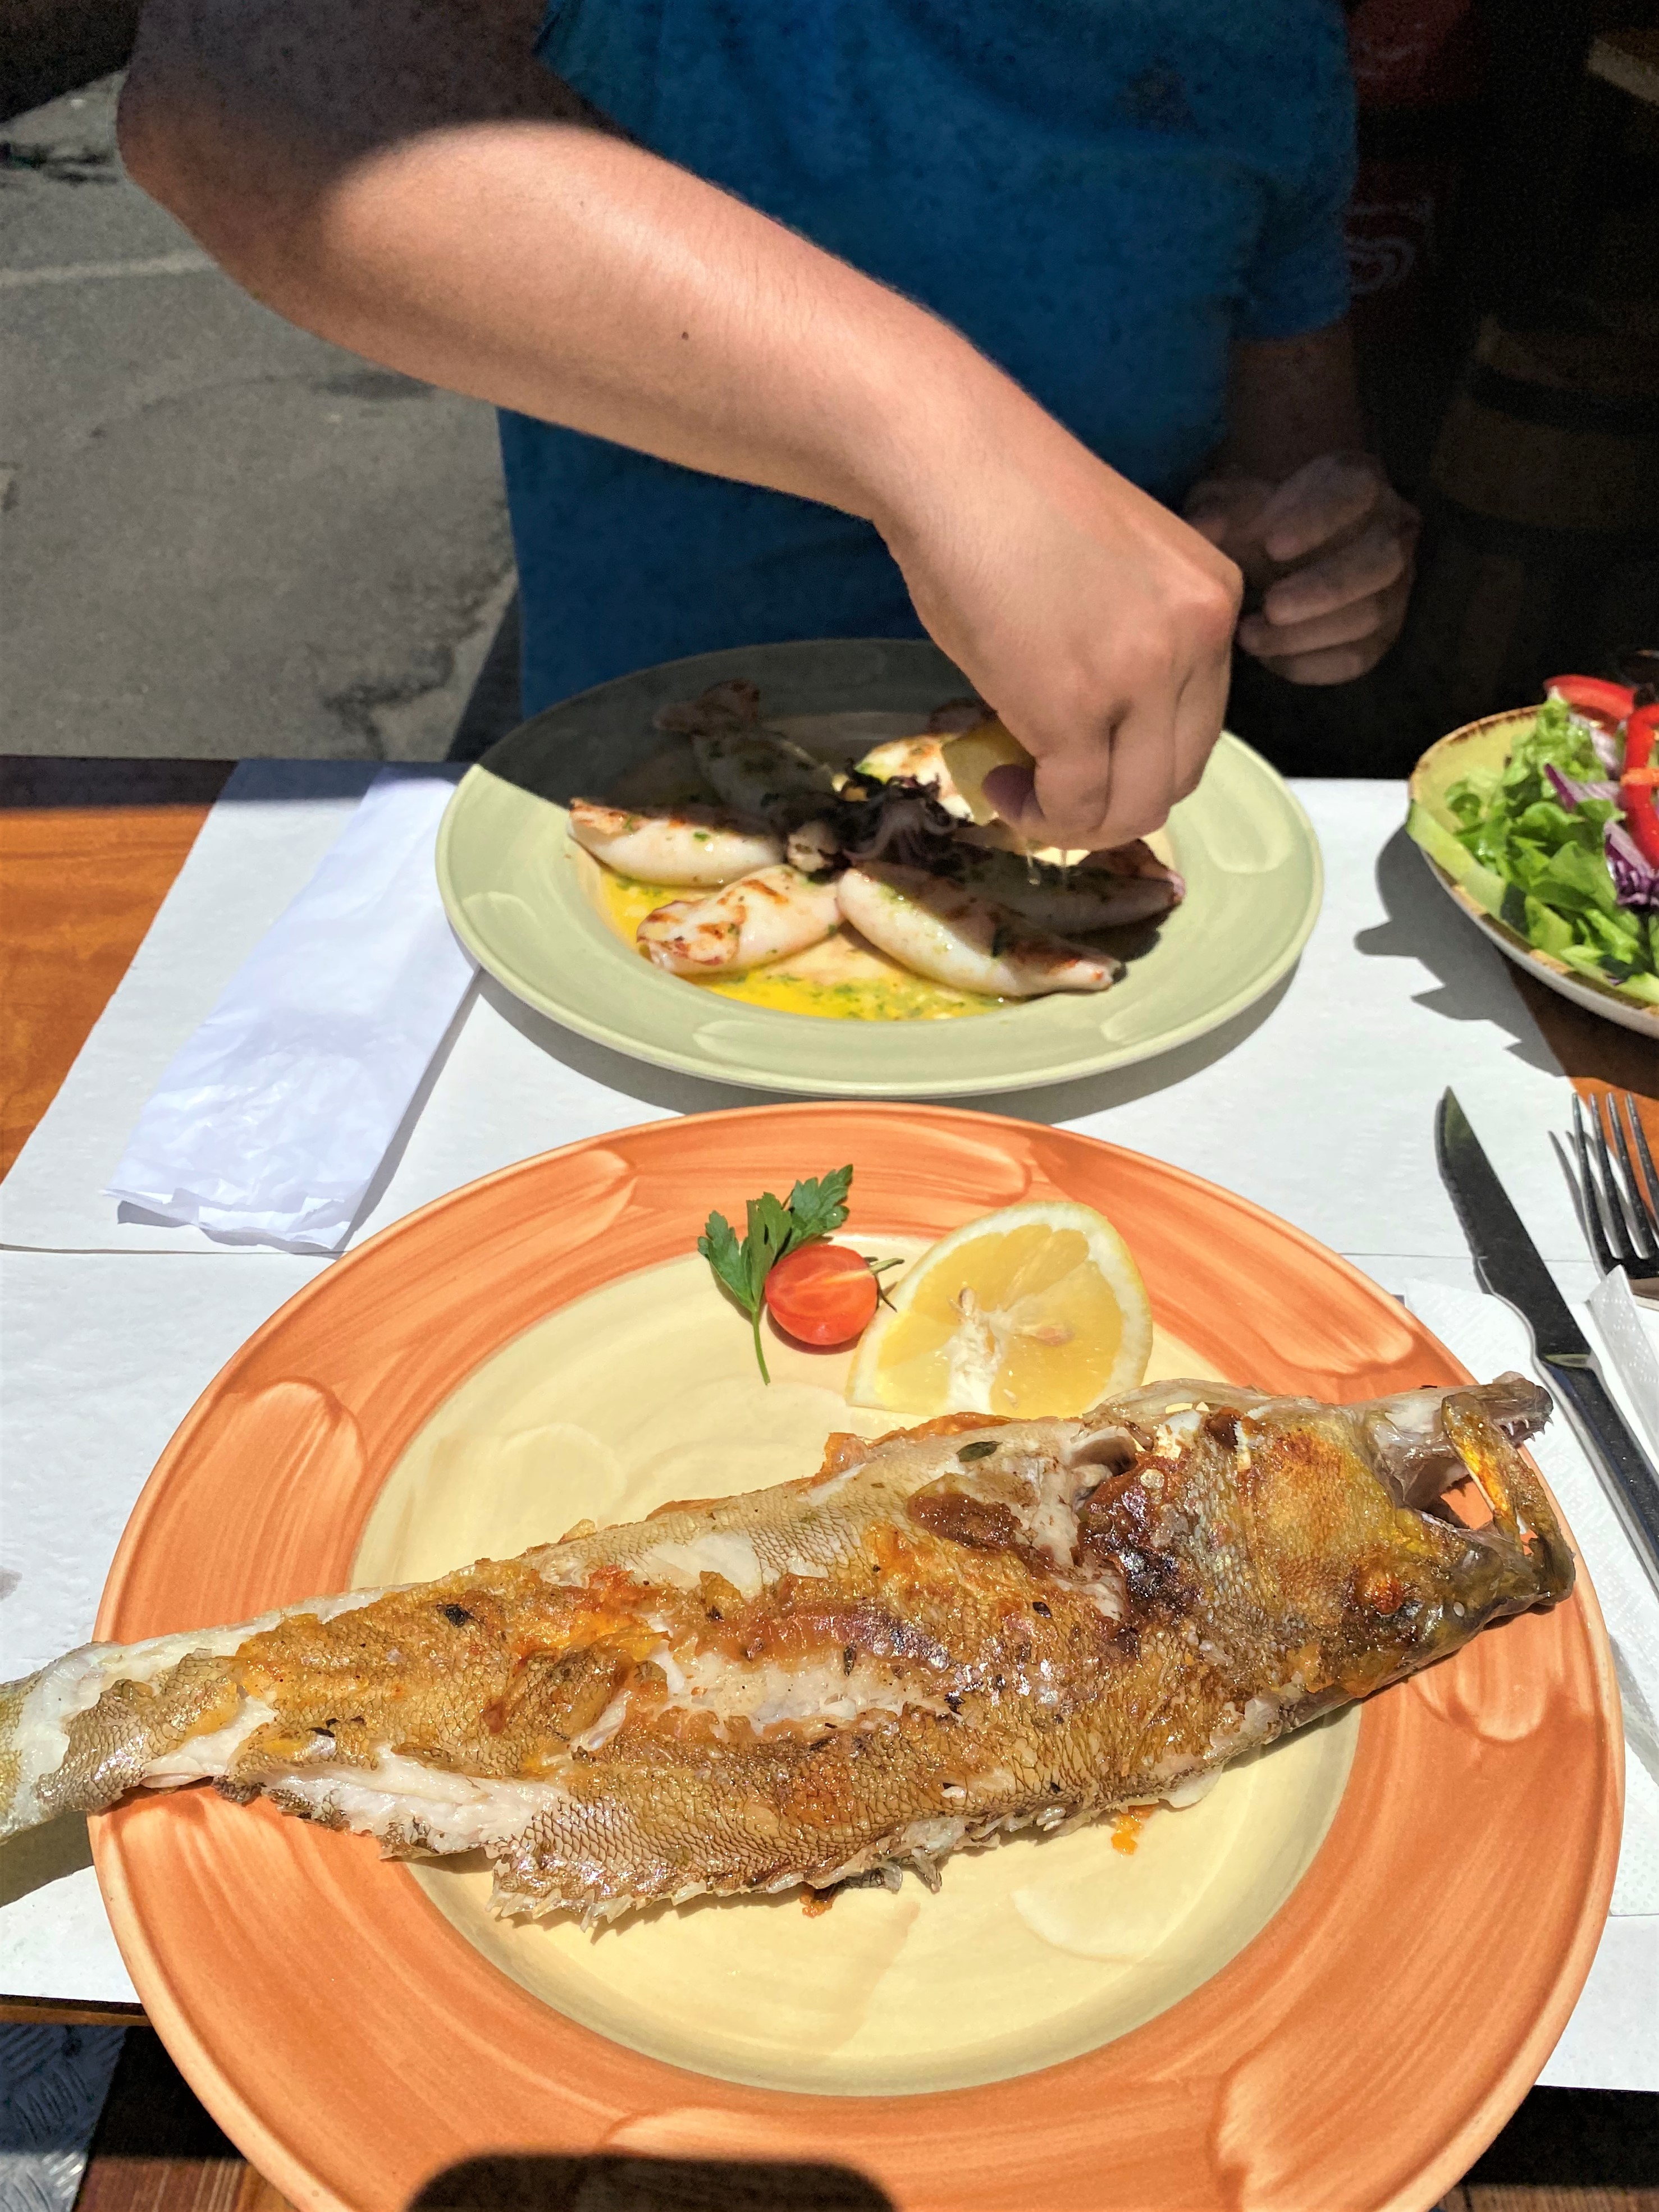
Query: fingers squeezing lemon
[
  {"x": 969, "y": 758},
  {"x": 1036, "y": 1309}
]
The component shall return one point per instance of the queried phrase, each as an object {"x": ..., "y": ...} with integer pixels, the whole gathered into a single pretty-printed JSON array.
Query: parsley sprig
[{"x": 812, "y": 1210}]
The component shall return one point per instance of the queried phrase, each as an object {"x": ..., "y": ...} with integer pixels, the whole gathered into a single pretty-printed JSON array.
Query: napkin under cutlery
[
  {"x": 1631, "y": 1333},
  {"x": 271, "y": 1120},
  {"x": 1488, "y": 1337}
]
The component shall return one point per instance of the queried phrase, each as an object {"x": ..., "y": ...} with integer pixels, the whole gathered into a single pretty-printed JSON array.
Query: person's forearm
[
  {"x": 399, "y": 176},
  {"x": 577, "y": 278},
  {"x": 1293, "y": 496},
  {"x": 546, "y": 265},
  {"x": 1290, "y": 400}
]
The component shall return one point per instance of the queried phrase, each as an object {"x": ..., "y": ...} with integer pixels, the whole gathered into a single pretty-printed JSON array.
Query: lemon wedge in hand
[
  {"x": 1036, "y": 1309},
  {"x": 969, "y": 758}
]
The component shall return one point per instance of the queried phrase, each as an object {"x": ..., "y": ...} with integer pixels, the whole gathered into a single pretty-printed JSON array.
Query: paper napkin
[
  {"x": 271, "y": 1120},
  {"x": 1630, "y": 1332},
  {"x": 1490, "y": 1337}
]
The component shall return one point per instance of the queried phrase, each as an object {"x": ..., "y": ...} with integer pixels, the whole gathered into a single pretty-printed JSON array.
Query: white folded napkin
[
  {"x": 1490, "y": 1337},
  {"x": 270, "y": 1122},
  {"x": 1631, "y": 1333}
]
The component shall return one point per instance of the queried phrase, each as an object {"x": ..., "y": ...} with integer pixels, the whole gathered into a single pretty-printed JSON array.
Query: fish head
[
  {"x": 1405, "y": 1434},
  {"x": 1280, "y": 1522},
  {"x": 1398, "y": 1584}
]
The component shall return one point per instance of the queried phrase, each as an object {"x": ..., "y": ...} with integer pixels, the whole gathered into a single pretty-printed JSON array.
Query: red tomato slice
[
  {"x": 1637, "y": 792},
  {"x": 823, "y": 1294},
  {"x": 1594, "y": 697}
]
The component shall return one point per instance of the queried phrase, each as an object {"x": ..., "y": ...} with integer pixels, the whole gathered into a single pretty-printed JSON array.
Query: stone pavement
[{"x": 218, "y": 535}]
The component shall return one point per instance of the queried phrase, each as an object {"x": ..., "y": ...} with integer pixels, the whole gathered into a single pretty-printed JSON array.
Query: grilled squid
[
  {"x": 763, "y": 917},
  {"x": 918, "y": 760},
  {"x": 971, "y": 944},
  {"x": 1065, "y": 899},
  {"x": 763, "y": 774},
  {"x": 690, "y": 844}
]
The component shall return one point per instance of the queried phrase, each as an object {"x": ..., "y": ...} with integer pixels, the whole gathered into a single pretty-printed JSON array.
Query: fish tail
[
  {"x": 17, "y": 1799},
  {"x": 1520, "y": 1504},
  {"x": 81, "y": 1732}
]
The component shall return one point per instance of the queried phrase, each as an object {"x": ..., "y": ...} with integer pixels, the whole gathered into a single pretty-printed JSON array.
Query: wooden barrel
[
  {"x": 1541, "y": 545},
  {"x": 1556, "y": 430}
]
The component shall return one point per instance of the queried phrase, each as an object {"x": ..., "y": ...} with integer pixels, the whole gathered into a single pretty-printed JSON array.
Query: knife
[{"x": 1509, "y": 1263}]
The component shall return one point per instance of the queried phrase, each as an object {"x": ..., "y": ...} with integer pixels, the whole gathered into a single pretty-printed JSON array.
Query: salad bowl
[{"x": 1538, "y": 931}]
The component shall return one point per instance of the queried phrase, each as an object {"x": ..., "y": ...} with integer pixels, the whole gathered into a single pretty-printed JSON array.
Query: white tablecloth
[{"x": 1317, "y": 1104}]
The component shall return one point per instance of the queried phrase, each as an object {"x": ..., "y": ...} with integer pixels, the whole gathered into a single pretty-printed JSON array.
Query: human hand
[
  {"x": 1095, "y": 622},
  {"x": 1327, "y": 555}
]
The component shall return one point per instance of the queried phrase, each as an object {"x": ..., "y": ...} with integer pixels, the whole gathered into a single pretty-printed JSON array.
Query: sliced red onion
[
  {"x": 1609, "y": 747},
  {"x": 1570, "y": 791},
  {"x": 1635, "y": 879}
]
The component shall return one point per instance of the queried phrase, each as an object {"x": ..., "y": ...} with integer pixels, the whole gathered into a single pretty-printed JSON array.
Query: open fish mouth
[{"x": 942, "y": 1637}]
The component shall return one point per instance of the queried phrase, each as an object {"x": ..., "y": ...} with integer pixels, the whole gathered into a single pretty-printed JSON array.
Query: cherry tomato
[
  {"x": 1595, "y": 698},
  {"x": 822, "y": 1294}
]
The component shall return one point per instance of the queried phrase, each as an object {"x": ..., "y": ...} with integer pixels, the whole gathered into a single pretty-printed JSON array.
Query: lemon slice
[
  {"x": 1036, "y": 1309},
  {"x": 970, "y": 758}
]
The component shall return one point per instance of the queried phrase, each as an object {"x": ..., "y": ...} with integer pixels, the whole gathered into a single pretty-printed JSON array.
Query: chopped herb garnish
[{"x": 976, "y": 1451}]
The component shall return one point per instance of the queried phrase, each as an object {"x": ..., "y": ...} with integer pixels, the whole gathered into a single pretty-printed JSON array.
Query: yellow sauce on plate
[{"x": 844, "y": 978}]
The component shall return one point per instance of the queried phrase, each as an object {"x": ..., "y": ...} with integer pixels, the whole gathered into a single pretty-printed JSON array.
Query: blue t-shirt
[{"x": 1100, "y": 194}]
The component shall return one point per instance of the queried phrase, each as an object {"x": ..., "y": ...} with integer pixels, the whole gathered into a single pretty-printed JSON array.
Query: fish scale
[{"x": 945, "y": 1636}]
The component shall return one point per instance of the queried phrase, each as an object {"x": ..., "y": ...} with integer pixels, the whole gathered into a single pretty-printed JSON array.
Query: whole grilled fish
[{"x": 944, "y": 1635}]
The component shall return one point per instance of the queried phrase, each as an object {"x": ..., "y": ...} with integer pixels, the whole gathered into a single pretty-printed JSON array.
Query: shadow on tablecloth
[
  {"x": 1424, "y": 925},
  {"x": 675, "y": 1092}
]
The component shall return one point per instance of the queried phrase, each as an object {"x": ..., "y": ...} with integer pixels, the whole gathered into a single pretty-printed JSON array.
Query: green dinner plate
[{"x": 518, "y": 893}]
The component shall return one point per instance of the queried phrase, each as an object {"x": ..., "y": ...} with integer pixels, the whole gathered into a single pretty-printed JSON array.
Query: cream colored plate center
[{"x": 1033, "y": 1952}]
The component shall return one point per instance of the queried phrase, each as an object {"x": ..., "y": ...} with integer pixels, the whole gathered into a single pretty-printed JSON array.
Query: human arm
[
  {"x": 402, "y": 177},
  {"x": 1325, "y": 542}
]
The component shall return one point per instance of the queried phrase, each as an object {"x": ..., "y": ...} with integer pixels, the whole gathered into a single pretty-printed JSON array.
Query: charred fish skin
[
  {"x": 1403, "y": 1436},
  {"x": 943, "y": 1637}
]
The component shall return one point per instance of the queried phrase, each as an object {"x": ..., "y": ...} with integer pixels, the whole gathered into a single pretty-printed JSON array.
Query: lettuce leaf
[{"x": 1559, "y": 892}]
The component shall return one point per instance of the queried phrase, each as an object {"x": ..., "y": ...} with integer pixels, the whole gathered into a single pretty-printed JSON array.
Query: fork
[{"x": 1621, "y": 1196}]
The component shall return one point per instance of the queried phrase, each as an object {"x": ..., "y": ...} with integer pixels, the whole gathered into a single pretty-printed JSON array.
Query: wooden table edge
[
  {"x": 78, "y": 892},
  {"x": 70, "y": 2012}
]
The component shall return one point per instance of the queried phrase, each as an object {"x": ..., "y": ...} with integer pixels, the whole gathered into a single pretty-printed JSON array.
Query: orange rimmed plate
[{"x": 1359, "y": 2051}]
